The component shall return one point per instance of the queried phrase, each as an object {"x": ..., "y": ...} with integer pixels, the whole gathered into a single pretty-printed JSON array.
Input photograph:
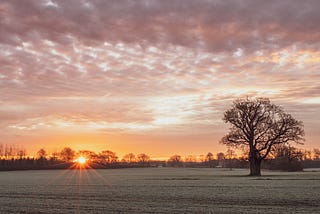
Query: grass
[{"x": 158, "y": 190}]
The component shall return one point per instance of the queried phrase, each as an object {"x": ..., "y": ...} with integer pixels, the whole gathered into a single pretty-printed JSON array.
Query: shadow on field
[
  {"x": 287, "y": 179},
  {"x": 211, "y": 177}
]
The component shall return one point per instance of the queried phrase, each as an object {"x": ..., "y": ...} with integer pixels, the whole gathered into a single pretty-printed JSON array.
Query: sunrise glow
[
  {"x": 81, "y": 160},
  {"x": 151, "y": 76},
  {"x": 159, "y": 106}
]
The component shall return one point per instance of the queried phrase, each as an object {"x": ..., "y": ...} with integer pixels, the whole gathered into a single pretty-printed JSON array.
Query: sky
[{"x": 152, "y": 76}]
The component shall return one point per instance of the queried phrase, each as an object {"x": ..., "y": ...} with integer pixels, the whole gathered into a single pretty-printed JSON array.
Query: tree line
[
  {"x": 282, "y": 157},
  {"x": 263, "y": 130}
]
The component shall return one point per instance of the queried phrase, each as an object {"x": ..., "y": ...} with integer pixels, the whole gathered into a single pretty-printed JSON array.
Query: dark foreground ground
[{"x": 158, "y": 190}]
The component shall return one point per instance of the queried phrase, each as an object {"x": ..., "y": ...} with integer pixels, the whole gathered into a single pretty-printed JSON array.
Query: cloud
[
  {"x": 169, "y": 66},
  {"x": 210, "y": 25}
]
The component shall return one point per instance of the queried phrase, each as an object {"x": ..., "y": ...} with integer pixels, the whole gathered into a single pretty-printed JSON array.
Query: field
[{"x": 158, "y": 190}]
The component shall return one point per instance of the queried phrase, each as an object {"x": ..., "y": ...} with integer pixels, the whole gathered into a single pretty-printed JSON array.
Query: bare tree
[
  {"x": 289, "y": 152},
  {"x": 190, "y": 158},
  {"x": 1, "y": 150},
  {"x": 258, "y": 124},
  {"x": 88, "y": 155},
  {"x": 287, "y": 157},
  {"x": 230, "y": 155},
  {"x": 41, "y": 154},
  {"x": 108, "y": 157},
  {"x": 54, "y": 155},
  {"x": 307, "y": 155},
  {"x": 129, "y": 158},
  {"x": 8, "y": 151},
  {"x": 202, "y": 158},
  {"x": 175, "y": 160},
  {"x": 316, "y": 154},
  {"x": 209, "y": 157},
  {"x": 67, "y": 154},
  {"x": 143, "y": 158},
  {"x": 220, "y": 158}
]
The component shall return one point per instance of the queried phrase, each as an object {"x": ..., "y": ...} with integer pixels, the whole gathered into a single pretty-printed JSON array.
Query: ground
[{"x": 158, "y": 190}]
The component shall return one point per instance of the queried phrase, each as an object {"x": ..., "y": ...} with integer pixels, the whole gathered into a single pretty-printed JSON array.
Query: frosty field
[{"x": 158, "y": 190}]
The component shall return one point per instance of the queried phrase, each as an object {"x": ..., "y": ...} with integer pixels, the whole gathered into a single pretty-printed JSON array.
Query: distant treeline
[{"x": 283, "y": 158}]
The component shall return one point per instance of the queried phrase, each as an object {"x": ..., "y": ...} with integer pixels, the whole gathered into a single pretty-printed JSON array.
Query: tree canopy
[{"x": 258, "y": 125}]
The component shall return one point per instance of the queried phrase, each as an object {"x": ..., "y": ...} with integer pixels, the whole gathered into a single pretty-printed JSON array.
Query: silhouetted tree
[
  {"x": 41, "y": 154},
  {"x": 202, "y": 158},
  {"x": 209, "y": 157},
  {"x": 190, "y": 158},
  {"x": 8, "y": 151},
  {"x": 1, "y": 150},
  {"x": 220, "y": 158},
  {"x": 287, "y": 151},
  {"x": 175, "y": 160},
  {"x": 108, "y": 157},
  {"x": 21, "y": 153},
  {"x": 316, "y": 154},
  {"x": 230, "y": 155},
  {"x": 54, "y": 156},
  {"x": 129, "y": 158},
  {"x": 88, "y": 155},
  {"x": 307, "y": 155},
  {"x": 143, "y": 158},
  {"x": 287, "y": 158},
  {"x": 67, "y": 154},
  {"x": 259, "y": 125}
]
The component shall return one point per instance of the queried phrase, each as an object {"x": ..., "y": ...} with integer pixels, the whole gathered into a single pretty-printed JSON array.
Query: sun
[{"x": 81, "y": 160}]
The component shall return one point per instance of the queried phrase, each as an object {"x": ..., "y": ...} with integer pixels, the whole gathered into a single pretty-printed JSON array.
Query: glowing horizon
[{"x": 151, "y": 76}]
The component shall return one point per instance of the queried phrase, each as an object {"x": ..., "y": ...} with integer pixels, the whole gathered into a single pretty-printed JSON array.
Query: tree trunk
[{"x": 255, "y": 167}]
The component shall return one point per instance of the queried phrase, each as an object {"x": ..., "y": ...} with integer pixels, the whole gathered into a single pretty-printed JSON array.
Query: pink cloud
[{"x": 104, "y": 64}]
